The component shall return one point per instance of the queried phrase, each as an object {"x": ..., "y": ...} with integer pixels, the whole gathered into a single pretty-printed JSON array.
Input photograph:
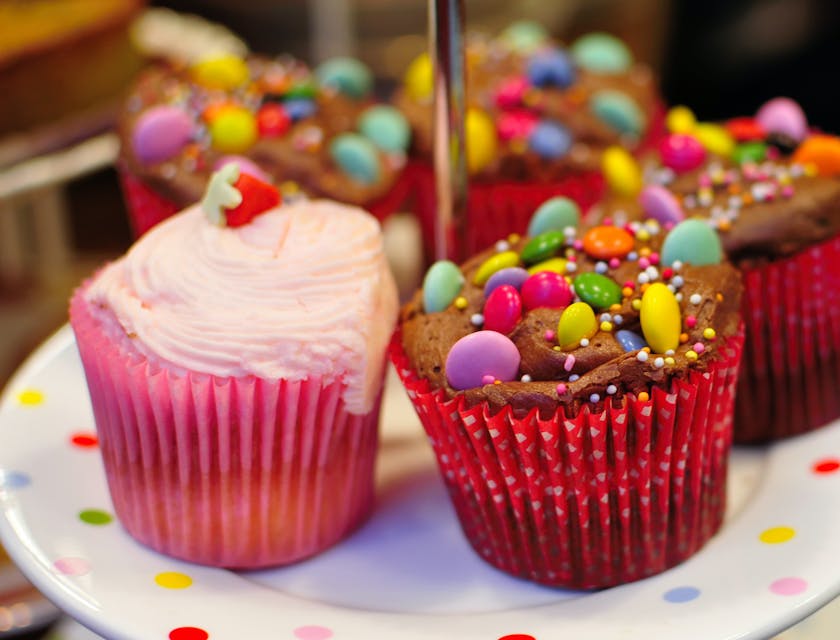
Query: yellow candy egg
[
  {"x": 576, "y": 323},
  {"x": 233, "y": 129},
  {"x": 481, "y": 140},
  {"x": 224, "y": 72},
  {"x": 680, "y": 120},
  {"x": 493, "y": 264},
  {"x": 714, "y": 138},
  {"x": 660, "y": 318},
  {"x": 556, "y": 265},
  {"x": 622, "y": 172},
  {"x": 418, "y": 78}
]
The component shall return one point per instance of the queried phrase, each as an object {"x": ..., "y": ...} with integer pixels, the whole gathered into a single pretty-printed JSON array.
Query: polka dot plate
[{"x": 408, "y": 573}]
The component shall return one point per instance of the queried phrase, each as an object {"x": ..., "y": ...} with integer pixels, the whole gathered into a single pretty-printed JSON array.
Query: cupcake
[
  {"x": 235, "y": 358},
  {"x": 770, "y": 188},
  {"x": 538, "y": 117},
  {"x": 577, "y": 389},
  {"x": 316, "y": 132}
]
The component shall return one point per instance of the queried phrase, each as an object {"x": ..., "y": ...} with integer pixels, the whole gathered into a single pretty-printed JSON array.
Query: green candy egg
[
  {"x": 692, "y": 241},
  {"x": 618, "y": 110},
  {"x": 602, "y": 53},
  {"x": 555, "y": 214},
  {"x": 386, "y": 127},
  {"x": 356, "y": 156},
  {"x": 754, "y": 152},
  {"x": 347, "y": 75},
  {"x": 597, "y": 290},
  {"x": 543, "y": 247},
  {"x": 301, "y": 90},
  {"x": 524, "y": 36},
  {"x": 441, "y": 285}
]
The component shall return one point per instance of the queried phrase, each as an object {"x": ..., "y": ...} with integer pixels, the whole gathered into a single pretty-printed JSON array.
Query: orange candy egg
[
  {"x": 607, "y": 242},
  {"x": 821, "y": 151}
]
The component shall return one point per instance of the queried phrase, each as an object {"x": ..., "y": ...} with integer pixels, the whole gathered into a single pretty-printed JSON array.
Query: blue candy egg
[
  {"x": 618, "y": 110},
  {"x": 299, "y": 108},
  {"x": 356, "y": 156},
  {"x": 555, "y": 214},
  {"x": 441, "y": 285},
  {"x": 347, "y": 75},
  {"x": 551, "y": 68},
  {"x": 550, "y": 140},
  {"x": 386, "y": 127},
  {"x": 629, "y": 340},
  {"x": 602, "y": 53},
  {"x": 514, "y": 276}
]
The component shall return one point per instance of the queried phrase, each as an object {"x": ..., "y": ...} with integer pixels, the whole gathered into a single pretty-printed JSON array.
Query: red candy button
[
  {"x": 273, "y": 121},
  {"x": 745, "y": 129}
]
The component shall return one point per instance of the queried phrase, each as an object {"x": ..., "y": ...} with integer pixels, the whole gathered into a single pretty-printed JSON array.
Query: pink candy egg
[
  {"x": 478, "y": 357},
  {"x": 503, "y": 309},
  {"x": 661, "y": 204},
  {"x": 510, "y": 93},
  {"x": 681, "y": 152},
  {"x": 546, "y": 289},
  {"x": 517, "y": 124},
  {"x": 783, "y": 115}
]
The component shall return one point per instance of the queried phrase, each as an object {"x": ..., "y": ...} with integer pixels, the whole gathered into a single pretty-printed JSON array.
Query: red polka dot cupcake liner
[
  {"x": 790, "y": 378},
  {"x": 230, "y": 472},
  {"x": 609, "y": 496}
]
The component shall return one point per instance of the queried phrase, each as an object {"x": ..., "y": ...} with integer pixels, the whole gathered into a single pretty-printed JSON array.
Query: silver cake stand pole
[{"x": 446, "y": 47}]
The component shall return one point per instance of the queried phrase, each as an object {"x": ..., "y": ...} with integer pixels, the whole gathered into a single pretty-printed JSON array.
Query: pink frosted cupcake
[{"x": 235, "y": 358}]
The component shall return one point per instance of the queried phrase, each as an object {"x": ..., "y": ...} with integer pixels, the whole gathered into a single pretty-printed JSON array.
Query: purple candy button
[
  {"x": 514, "y": 276},
  {"x": 661, "y": 204},
  {"x": 480, "y": 354},
  {"x": 160, "y": 133}
]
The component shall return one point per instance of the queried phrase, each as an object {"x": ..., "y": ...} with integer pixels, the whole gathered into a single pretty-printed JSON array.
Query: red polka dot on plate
[
  {"x": 518, "y": 636},
  {"x": 312, "y": 632},
  {"x": 84, "y": 440},
  {"x": 828, "y": 465},
  {"x": 72, "y": 566},
  {"x": 788, "y": 586},
  {"x": 188, "y": 633}
]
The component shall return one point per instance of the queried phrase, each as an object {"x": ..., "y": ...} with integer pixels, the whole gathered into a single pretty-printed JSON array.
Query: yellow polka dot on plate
[
  {"x": 776, "y": 535},
  {"x": 30, "y": 397},
  {"x": 173, "y": 580}
]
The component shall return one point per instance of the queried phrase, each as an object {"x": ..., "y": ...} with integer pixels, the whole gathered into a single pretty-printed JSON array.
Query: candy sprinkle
[
  {"x": 709, "y": 333},
  {"x": 460, "y": 302},
  {"x": 561, "y": 389}
]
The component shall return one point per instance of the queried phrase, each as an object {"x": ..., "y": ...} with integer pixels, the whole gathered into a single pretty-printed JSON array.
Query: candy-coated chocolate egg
[
  {"x": 681, "y": 152},
  {"x": 618, "y": 110},
  {"x": 357, "y": 157},
  {"x": 518, "y": 124},
  {"x": 621, "y": 171},
  {"x": 495, "y": 263},
  {"x": 601, "y": 53},
  {"x": 273, "y": 120},
  {"x": 783, "y": 115},
  {"x": 597, "y": 290},
  {"x": 233, "y": 129},
  {"x": 511, "y": 91},
  {"x": 161, "y": 133},
  {"x": 749, "y": 152},
  {"x": 680, "y": 119},
  {"x": 348, "y": 75},
  {"x": 629, "y": 340},
  {"x": 555, "y": 214},
  {"x": 821, "y": 151},
  {"x": 304, "y": 90},
  {"x": 543, "y": 247},
  {"x": 481, "y": 354},
  {"x": 576, "y": 323},
  {"x": 225, "y": 72},
  {"x": 481, "y": 140},
  {"x": 546, "y": 289},
  {"x": 551, "y": 68},
  {"x": 513, "y": 276},
  {"x": 386, "y": 127},
  {"x": 524, "y": 36},
  {"x": 441, "y": 285},
  {"x": 418, "y": 78},
  {"x": 557, "y": 265},
  {"x": 659, "y": 203},
  {"x": 660, "y": 318},
  {"x": 550, "y": 140},
  {"x": 714, "y": 138},
  {"x": 503, "y": 309},
  {"x": 694, "y": 242},
  {"x": 745, "y": 129},
  {"x": 300, "y": 108},
  {"x": 605, "y": 242}
]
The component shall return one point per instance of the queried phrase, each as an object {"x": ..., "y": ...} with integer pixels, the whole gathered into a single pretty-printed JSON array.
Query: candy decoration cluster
[{"x": 233, "y": 197}]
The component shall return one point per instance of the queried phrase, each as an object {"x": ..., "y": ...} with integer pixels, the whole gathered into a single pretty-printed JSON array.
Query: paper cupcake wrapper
[
  {"x": 229, "y": 472},
  {"x": 599, "y": 499},
  {"x": 790, "y": 378}
]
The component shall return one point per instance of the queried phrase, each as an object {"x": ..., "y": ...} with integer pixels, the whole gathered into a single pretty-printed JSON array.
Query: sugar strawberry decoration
[{"x": 234, "y": 198}]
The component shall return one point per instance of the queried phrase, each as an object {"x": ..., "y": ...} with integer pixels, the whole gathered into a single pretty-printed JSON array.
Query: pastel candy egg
[
  {"x": 555, "y": 214},
  {"x": 661, "y": 204},
  {"x": 605, "y": 242},
  {"x": 660, "y": 318},
  {"x": 597, "y": 290},
  {"x": 226, "y": 72},
  {"x": 161, "y": 133},
  {"x": 680, "y": 119},
  {"x": 546, "y": 289},
  {"x": 543, "y": 246},
  {"x": 481, "y": 354},
  {"x": 692, "y": 241},
  {"x": 576, "y": 323},
  {"x": 629, "y": 340},
  {"x": 347, "y": 75},
  {"x": 386, "y": 127},
  {"x": 681, "y": 152},
  {"x": 621, "y": 171},
  {"x": 524, "y": 36},
  {"x": 511, "y": 91},
  {"x": 495, "y": 263},
  {"x": 783, "y": 115},
  {"x": 753, "y": 152},
  {"x": 300, "y": 108},
  {"x": 233, "y": 129},
  {"x": 481, "y": 140},
  {"x": 550, "y": 140},
  {"x": 441, "y": 285},
  {"x": 714, "y": 138},
  {"x": 618, "y": 110},
  {"x": 516, "y": 125},
  {"x": 557, "y": 265},
  {"x": 551, "y": 68},
  {"x": 246, "y": 165},
  {"x": 821, "y": 151},
  {"x": 273, "y": 120},
  {"x": 356, "y": 156},
  {"x": 418, "y": 78},
  {"x": 503, "y": 309},
  {"x": 513, "y": 276},
  {"x": 602, "y": 53}
]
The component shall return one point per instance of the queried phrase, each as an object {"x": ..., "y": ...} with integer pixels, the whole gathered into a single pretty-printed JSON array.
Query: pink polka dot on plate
[
  {"x": 312, "y": 632},
  {"x": 72, "y": 566},
  {"x": 788, "y": 586}
]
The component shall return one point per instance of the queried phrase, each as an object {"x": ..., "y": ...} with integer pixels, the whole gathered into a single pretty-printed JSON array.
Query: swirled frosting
[{"x": 302, "y": 290}]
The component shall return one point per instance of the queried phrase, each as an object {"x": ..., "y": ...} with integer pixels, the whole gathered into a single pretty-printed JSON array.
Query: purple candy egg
[
  {"x": 681, "y": 152},
  {"x": 480, "y": 354},
  {"x": 661, "y": 204},
  {"x": 513, "y": 276},
  {"x": 783, "y": 115},
  {"x": 546, "y": 289},
  {"x": 160, "y": 133},
  {"x": 503, "y": 309},
  {"x": 246, "y": 165}
]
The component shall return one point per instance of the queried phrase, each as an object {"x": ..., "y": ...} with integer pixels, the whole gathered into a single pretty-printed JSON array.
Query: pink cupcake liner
[
  {"x": 230, "y": 472},
  {"x": 790, "y": 378},
  {"x": 605, "y": 497}
]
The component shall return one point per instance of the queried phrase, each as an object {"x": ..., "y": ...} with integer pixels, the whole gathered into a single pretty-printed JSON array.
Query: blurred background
[{"x": 61, "y": 212}]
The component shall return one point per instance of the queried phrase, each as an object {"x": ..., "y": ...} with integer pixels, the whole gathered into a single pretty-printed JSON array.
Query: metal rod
[{"x": 446, "y": 47}]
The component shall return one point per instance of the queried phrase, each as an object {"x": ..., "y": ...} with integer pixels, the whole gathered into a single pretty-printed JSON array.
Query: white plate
[{"x": 408, "y": 573}]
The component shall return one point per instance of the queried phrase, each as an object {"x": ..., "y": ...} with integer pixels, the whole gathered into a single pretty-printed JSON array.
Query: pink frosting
[{"x": 302, "y": 290}]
